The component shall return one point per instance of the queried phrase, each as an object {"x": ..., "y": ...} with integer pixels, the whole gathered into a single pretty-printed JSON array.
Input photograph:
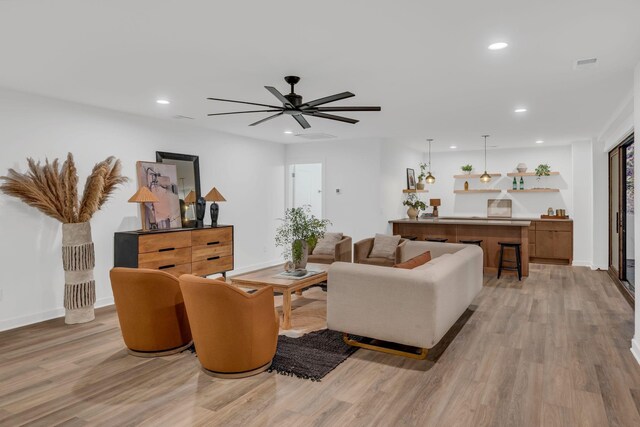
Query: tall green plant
[{"x": 299, "y": 224}]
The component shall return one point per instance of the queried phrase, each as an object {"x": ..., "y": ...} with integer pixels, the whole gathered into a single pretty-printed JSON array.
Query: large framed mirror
[{"x": 188, "y": 174}]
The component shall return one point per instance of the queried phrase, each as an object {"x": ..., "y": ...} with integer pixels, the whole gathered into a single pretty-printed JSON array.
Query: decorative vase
[
  {"x": 420, "y": 185},
  {"x": 522, "y": 168},
  {"x": 466, "y": 186},
  {"x": 412, "y": 213},
  {"x": 78, "y": 261},
  {"x": 300, "y": 253}
]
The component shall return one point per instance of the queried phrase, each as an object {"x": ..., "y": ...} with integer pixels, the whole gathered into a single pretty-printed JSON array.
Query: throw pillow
[
  {"x": 327, "y": 245},
  {"x": 384, "y": 246},
  {"x": 415, "y": 261}
]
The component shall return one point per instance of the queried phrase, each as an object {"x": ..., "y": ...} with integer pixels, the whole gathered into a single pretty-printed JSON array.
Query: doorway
[
  {"x": 305, "y": 187},
  {"x": 621, "y": 216}
]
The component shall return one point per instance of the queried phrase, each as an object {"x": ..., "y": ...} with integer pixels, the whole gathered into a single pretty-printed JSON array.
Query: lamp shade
[
  {"x": 214, "y": 196},
  {"x": 191, "y": 198},
  {"x": 434, "y": 202},
  {"x": 143, "y": 195}
]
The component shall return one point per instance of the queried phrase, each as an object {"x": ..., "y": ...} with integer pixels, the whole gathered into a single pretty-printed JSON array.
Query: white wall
[{"x": 249, "y": 173}]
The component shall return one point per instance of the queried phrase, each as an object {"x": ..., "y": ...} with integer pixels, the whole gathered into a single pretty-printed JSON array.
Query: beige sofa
[{"x": 411, "y": 307}]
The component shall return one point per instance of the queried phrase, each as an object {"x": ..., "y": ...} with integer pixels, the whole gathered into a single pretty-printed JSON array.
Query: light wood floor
[{"x": 550, "y": 350}]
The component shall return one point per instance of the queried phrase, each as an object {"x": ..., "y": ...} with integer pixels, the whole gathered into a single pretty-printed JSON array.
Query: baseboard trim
[
  {"x": 635, "y": 349},
  {"x": 578, "y": 263}
]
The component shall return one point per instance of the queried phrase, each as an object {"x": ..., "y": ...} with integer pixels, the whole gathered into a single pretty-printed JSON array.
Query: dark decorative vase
[
  {"x": 215, "y": 210},
  {"x": 201, "y": 207}
]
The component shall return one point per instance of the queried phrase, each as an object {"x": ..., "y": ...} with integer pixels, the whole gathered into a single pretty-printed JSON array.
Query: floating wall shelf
[
  {"x": 529, "y": 173},
  {"x": 535, "y": 190},
  {"x": 487, "y": 190},
  {"x": 415, "y": 191},
  {"x": 475, "y": 175}
]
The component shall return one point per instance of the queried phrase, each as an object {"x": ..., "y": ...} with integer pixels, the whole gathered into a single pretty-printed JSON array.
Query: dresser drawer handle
[
  {"x": 166, "y": 249},
  {"x": 212, "y": 258},
  {"x": 213, "y": 243},
  {"x": 164, "y": 267}
]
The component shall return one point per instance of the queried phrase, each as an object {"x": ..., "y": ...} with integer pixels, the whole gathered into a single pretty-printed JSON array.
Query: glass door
[{"x": 628, "y": 224}]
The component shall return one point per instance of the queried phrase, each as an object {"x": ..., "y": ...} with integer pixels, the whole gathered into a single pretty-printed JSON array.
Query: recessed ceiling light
[
  {"x": 288, "y": 132},
  {"x": 453, "y": 147},
  {"x": 539, "y": 141},
  {"x": 163, "y": 102},
  {"x": 520, "y": 110},
  {"x": 498, "y": 45}
]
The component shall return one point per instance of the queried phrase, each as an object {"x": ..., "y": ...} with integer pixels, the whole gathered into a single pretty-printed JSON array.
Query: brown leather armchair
[
  {"x": 362, "y": 249},
  {"x": 343, "y": 253},
  {"x": 151, "y": 311},
  {"x": 235, "y": 333}
]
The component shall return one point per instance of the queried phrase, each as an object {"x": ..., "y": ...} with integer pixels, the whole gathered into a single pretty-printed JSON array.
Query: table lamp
[
  {"x": 191, "y": 198},
  {"x": 142, "y": 196},
  {"x": 214, "y": 196},
  {"x": 435, "y": 203}
]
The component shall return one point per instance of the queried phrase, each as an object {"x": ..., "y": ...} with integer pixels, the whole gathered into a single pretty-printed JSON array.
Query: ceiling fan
[{"x": 293, "y": 106}]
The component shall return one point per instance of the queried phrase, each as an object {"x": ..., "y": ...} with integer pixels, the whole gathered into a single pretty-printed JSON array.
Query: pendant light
[
  {"x": 485, "y": 177},
  {"x": 430, "y": 178}
]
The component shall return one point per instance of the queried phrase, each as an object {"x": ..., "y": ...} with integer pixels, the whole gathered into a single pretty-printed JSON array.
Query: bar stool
[
  {"x": 518, "y": 267},
  {"x": 437, "y": 239},
  {"x": 472, "y": 242}
]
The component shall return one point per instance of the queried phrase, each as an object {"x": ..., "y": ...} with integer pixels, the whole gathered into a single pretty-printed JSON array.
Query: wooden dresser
[{"x": 199, "y": 251}]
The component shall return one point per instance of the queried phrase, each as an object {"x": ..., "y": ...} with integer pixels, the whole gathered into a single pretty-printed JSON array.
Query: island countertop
[{"x": 465, "y": 221}]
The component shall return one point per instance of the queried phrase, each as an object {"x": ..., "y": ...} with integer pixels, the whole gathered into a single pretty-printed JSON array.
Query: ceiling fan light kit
[{"x": 293, "y": 106}]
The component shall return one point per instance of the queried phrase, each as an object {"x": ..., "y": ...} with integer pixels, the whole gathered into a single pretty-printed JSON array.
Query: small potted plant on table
[
  {"x": 415, "y": 205},
  {"x": 299, "y": 232}
]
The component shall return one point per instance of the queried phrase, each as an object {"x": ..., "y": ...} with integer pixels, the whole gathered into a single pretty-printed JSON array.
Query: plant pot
[
  {"x": 78, "y": 261},
  {"x": 522, "y": 168},
  {"x": 420, "y": 185},
  {"x": 412, "y": 213},
  {"x": 300, "y": 253}
]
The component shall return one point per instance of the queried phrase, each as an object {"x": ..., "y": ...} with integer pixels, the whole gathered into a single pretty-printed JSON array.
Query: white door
[{"x": 306, "y": 186}]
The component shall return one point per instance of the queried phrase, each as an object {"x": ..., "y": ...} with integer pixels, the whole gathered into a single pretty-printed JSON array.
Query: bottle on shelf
[
  {"x": 521, "y": 183},
  {"x": 515, "y": 183},
  {"x": 466, "y": 186}
]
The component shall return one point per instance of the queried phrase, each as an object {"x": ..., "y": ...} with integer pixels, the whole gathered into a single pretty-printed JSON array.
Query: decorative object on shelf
[
  {"x": 142, "y": 196},
  {"x": 214, "y": 196},
  {"x": 430, "y": 178},
  {"x": 522, "y": 168},
  {"x": 434, "y": 203},
  {"x": 162, "y": 180},
  {"x": 422, "y": 176},
  {"x": 188, "y": 179},
  {"x": 415, "y": 205},
  {"x": 561, "y": 212},
  {"x": 54, "y": 191},
  {"x": 550, "y": 211},
  {"x": 411, "y": 179},
  {"x": 521, "y": 183},
  {"x": 299, "y": 231},
  {"x": 466, "y": 186},
  {"x": 201, "y": 207},
  {"x": 467, "y": 169},
  {"x": 514, "y": 186},
  {"x": 543, "y": 170},
  {"x": 485, "y": 177}
]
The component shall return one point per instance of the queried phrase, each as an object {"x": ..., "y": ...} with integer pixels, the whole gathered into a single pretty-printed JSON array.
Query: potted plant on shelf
[
  {"x": 467, "y": 169},
  {"x": 300, "y": 231},
  {"x": 415, "y": 205},
  {"x": 54, "y": 191},
  {"x": 422, "y": 176}
]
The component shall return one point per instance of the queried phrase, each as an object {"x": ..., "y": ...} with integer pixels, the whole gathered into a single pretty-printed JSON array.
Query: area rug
[{"x": 311, "y": 356}]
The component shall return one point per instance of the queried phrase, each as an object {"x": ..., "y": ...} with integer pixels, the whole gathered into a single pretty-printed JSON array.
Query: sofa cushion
[
  {"x": 415, "y": 261},
  {"x": 384, "y": 246},
  {"x": 327, "y": 245},
  {"x": 321, "y": 259},
  {"x": 385, "y": 262},
  {"x": 433, "y": 262}
]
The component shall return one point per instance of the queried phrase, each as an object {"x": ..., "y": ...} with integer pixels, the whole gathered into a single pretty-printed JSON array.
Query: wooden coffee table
[{"x": 266, "y": 277}]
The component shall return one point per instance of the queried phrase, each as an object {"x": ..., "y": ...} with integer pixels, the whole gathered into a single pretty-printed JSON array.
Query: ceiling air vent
[
  {"x": 315, "y": 136},
  {"x": 180, "y": 117},
  {"x": 584, "y": 64}
]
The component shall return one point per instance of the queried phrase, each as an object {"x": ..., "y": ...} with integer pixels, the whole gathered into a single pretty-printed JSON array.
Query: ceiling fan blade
[
  {"x": 278, "y": 95},
  {"x": 267, "y": 118},
  {"x": 328, "y": 99},
  {"x": 348, "y": 109},
  {"x": 244, "y": 102},
  {"x": 242, "y": 112},
  {"x": 332, "y": 117},
  {"x": 302, "y": 121}
]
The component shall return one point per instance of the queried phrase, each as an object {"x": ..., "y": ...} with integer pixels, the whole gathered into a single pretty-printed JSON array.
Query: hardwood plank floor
[{"x": 550, "y": 350}]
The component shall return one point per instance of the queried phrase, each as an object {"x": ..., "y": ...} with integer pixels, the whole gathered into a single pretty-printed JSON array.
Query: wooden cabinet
[
  {"x": 552, "y": 242},
  {"x": 199, "y": 251}
]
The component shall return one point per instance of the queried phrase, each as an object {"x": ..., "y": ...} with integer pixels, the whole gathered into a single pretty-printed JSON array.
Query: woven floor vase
[{"x": 78, "y": 261}]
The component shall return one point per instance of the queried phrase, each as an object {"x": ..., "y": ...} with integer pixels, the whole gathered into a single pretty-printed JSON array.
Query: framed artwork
[
  {"x": 411, "y": 179},
  {"x": 162, "y": 181}
]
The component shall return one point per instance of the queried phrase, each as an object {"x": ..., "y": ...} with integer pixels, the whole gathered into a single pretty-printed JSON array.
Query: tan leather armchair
[
  {"x": 235, "y": 333},
  {"x": 151, "y": 311},
  {"x": 362, "y": 249},
  {"x": 343, "y": 253}
]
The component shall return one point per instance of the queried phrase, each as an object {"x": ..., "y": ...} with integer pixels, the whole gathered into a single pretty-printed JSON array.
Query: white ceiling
[{"x": 425, "y": 62}]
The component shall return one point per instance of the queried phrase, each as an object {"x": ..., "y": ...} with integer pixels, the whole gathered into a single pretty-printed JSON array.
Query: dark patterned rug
[{"x": 311, "y": 356}]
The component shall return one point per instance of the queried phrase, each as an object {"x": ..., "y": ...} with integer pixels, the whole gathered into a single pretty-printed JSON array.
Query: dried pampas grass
[{"x": 54, "y": 190}]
